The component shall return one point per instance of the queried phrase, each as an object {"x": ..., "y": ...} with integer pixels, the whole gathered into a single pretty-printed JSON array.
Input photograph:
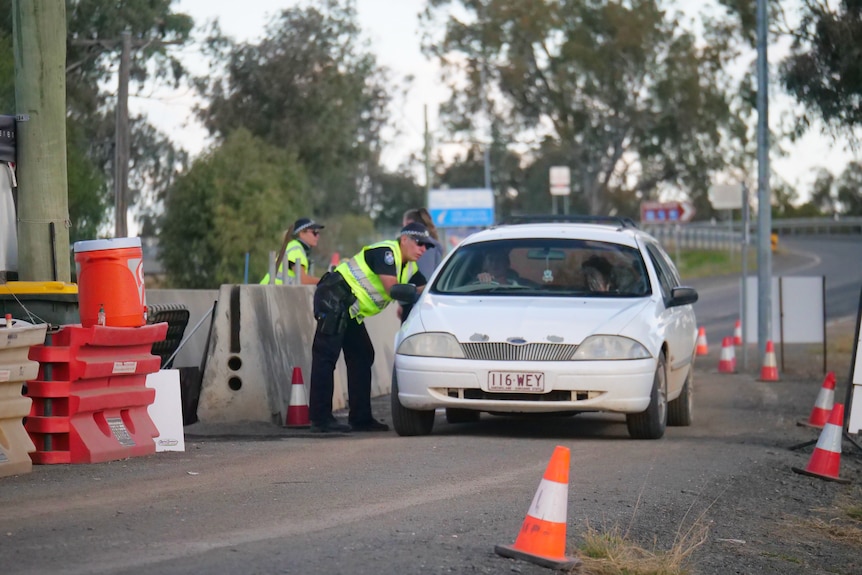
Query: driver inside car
[{"x": 497, "y": 270}]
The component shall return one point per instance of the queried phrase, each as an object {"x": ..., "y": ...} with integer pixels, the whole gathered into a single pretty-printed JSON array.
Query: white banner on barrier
[
  {"x": 798, "y": 309},
  {"x": 166, "y": 411}
]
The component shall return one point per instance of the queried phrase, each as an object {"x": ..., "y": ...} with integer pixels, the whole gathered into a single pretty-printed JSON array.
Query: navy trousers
[{"x": 358, "y": 356}]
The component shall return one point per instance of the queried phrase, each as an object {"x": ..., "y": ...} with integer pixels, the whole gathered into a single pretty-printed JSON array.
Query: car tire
[
  {"x": 455, "y": 415},
  {"x": 651, "y": 423},
  {"x": 679, "y": 410},
  {"x": 408, "y": 422}
]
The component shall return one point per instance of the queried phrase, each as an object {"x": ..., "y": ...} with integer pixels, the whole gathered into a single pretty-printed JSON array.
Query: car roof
[{"x": 611, "y": 230}]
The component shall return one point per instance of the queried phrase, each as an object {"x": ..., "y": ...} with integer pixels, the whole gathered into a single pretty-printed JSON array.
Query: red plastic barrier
[{"x": 90, "y": 399}]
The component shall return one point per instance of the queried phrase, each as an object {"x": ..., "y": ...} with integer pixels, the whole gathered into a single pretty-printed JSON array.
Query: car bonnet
[{"x": 555, "y": 320}]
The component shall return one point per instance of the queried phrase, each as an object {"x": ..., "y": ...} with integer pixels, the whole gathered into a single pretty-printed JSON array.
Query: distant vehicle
[{"x": 561, "y": 317}]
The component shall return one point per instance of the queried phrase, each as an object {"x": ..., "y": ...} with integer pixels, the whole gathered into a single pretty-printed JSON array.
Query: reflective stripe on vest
[{"x": 371, "y": 296}]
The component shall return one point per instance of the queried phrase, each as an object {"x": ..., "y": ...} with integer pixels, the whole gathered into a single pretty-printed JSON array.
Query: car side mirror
[
  {"x": 404, "y": 293},
  {"x": 682, "y": 295}
]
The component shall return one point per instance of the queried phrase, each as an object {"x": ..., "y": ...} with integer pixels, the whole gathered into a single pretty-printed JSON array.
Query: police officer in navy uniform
[{"x": 357, "y": 288}]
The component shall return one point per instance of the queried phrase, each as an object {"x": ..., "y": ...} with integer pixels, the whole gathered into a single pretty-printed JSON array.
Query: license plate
[{"x": 516, "y": 381}]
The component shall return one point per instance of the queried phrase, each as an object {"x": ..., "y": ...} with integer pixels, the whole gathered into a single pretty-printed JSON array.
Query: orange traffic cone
[
  {"x": 727, "y": 360},
  {"x": 702, "y": 347},
  {"x": 737, "y": 333},
  {"x": 769, "y": 370},
  {"x": 542, "y": 539},
  {"x": 825, "y": 462},
  {"x": 823, "y": 404},
  {"x": 297, "y": 409}
]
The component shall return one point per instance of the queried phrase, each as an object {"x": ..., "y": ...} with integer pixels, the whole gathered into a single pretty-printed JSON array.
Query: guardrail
[{"x": 728, "y": 235}]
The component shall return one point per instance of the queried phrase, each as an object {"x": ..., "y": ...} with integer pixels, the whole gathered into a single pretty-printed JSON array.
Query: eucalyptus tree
[
  {"x": 310, "y": 86},
  {"x": 632, "y": 100},
  {"x": 824, "y": 69}
]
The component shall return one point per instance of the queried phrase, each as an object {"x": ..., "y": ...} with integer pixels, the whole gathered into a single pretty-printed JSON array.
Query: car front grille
[{"x": 498, "y": 351}]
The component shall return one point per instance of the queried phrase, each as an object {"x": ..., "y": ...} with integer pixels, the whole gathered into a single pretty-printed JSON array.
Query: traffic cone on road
[
  {"x": 769, "y": 370},
  {"x": 825, "y": 462},
  {"x": 727, "y": 360},
  {"x": 823, "y": 404},
  {"x": 542, "y": 539},
  {"x": 297, "y": 409},
  {"x": 702, "y": 347},
  {"x": 737, "y": 333}
]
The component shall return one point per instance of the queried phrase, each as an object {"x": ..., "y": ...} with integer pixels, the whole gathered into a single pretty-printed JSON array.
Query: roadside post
[
  {"x": 561, "y": 185},
  {"x": 733, "y": 197}
]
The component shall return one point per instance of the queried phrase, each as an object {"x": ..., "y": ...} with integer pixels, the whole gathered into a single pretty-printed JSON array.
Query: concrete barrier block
[{"x": 259, "y": 334}]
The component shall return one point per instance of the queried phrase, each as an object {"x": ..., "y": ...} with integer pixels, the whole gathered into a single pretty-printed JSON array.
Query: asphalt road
[{"x": 284, "y": 501}]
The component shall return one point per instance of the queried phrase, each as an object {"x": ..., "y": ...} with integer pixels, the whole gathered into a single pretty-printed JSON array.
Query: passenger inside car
[{"x": 597, "y": 273}]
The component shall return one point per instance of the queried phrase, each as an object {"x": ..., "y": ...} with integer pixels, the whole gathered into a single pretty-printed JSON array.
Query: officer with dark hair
[{"x": 358, "y": 288}]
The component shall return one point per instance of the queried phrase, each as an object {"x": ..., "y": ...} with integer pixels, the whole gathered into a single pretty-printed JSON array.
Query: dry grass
[
  {"x": 837, "y": 530},
  {"x": 841, "y": 522},
  {"x": 610, "y": 552}
]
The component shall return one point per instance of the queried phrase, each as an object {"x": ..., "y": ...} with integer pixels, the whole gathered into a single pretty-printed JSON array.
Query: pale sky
[{"x": 392, "y": 28}]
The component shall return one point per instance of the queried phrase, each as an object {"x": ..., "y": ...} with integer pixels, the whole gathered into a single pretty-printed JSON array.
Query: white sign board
[
  {"x": 725, "y": 196},
  {"x": 797, "y": 310},
  {"x": 459, "y": 208},
  {"x": 166, "y": 411},
  {"x": 561, "y": 180}
]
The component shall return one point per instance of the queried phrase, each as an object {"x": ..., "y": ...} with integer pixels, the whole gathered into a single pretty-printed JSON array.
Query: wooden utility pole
[
  {"x": 121, "y": 148},
  {"x": 121, "y": 129},
  {"x": 39, "y": 45}
]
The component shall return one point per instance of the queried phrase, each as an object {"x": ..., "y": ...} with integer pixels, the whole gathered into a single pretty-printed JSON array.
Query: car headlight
[
  {"x": 431, "y": 345},
  {"x": 598, "y": 347}
]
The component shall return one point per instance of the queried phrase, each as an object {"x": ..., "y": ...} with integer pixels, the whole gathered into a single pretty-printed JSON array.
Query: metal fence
[{"x": 728, "y": 235}]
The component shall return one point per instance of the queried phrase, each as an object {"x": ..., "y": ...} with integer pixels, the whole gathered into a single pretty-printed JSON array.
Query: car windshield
[{"x": 545, "y": 267}]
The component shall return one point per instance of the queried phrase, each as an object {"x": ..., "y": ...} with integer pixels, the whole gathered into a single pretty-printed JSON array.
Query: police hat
[
  {"x": 418, "y": 232},
  {"x": 305, "y": 224}
]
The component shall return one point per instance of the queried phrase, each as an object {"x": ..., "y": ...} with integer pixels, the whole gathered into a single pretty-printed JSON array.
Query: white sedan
[{"x": 562, "y": 317}]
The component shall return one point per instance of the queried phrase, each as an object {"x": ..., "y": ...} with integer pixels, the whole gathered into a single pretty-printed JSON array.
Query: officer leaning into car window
[
  {"x": 357, "y": 288},
  {"x": 299, "y": 240}
]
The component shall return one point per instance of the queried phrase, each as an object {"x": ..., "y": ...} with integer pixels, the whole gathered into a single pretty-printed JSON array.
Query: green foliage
[
  {"x": 309, "y": 87},
  {"x": 345, "y": 234},
  {"x": 632, "y": 101},
  {"x": 849, "y": 190},
  {"x": 87, "y": 187},
  {"x": 236, "y": 199},
  {"x": 395, "y": 194},
  {"x": 7, "y": 60},
  {"x": 92, "y": 53},
  {"x": 824, "y": 69}
]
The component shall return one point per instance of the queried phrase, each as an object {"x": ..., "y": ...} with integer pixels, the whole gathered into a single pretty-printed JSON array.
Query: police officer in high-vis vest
[
  {"x": 298, "y": 243},
  {"x": 357, "y": 288}
]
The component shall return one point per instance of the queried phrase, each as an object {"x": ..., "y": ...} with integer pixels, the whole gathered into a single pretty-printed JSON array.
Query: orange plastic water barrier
[{"x": 90, "y": 399}]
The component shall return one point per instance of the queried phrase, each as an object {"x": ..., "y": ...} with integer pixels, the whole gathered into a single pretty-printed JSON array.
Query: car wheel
[
  {"x": 679, "y": 410},
  {"x": 455, "y": 415},
  {"x": 650, "y": 424},
  {"x": 408, "y": 421}
]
